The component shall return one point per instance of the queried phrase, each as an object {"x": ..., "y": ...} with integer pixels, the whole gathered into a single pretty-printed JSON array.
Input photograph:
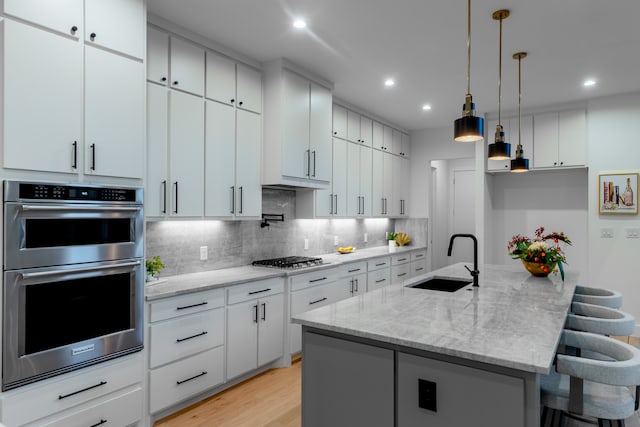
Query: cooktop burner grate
[{"x": 289, "y": 262}]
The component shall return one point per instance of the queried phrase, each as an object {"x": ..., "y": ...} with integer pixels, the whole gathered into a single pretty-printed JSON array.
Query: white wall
[{"x": 614, "y": 146}]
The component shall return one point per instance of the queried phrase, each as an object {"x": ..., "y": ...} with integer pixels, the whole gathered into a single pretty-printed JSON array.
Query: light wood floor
[{"x": 271, "y": 399}]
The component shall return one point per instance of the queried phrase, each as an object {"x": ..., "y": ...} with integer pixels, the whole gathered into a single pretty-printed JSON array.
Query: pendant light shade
[
  {"x": 519, "y": 164},
  {"x": 468, "y": 128},
  {"x": 500, "y": 150}
]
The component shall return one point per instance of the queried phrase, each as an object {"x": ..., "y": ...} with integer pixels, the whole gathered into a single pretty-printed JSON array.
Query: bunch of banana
[
  {"x": 345, "y": 249},
  {"x": 402, "y": 239}
]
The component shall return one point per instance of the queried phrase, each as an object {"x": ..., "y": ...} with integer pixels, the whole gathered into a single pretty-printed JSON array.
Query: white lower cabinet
[
  {"x": 400, "y": 267},
  {"x": 109, "y": 391},
  {"x": 418, "y": 262},
  {"x": 352, "y": 280},
  {"x": 255, "y": 325},
  {"x": 378, "y": 273}
]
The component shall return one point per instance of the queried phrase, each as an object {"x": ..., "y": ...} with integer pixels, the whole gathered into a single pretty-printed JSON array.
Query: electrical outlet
[
  {"x": 306, "y": 244},
  {"x": 204, "y": 253},
  {"x": 366, "y": 237},
  {"x": 633, "y": 233},
  {"x": 606, "y": 233},
  {"x": 335, "y": 240}
]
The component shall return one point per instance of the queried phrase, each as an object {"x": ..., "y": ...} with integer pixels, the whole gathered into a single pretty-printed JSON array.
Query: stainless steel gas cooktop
[{"x": 289, "y": 262}]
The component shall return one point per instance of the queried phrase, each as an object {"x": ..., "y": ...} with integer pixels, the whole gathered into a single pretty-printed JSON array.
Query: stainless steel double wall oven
[{"x": 73, "y": 277}]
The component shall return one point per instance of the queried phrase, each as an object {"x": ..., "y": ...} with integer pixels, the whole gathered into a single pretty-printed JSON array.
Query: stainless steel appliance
[
  {"x": 289, "y": 262},
  {"x": 73, "y": 277}
]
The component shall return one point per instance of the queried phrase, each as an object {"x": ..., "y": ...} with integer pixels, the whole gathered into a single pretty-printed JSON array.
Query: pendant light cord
[
  {"x": 500, "y": 78},
  {"x": 519, "y": 100},
  {"x": 468, "y": 46}
]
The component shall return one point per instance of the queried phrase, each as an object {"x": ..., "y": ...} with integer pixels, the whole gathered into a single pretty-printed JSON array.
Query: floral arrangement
[
  {"x": 544, "y": 249},
  {"x": 154, "y": 266}
]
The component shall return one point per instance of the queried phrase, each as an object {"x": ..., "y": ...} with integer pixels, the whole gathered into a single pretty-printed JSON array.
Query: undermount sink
[{"x": 441, "y": 284}]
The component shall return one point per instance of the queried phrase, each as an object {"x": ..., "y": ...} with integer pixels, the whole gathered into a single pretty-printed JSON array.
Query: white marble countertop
[
  {"x": 186, "y": 283},
  {"x": 513, "y": 319}
]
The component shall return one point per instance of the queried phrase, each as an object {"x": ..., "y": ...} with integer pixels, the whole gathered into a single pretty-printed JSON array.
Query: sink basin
[{"x": 442, "y": 284}]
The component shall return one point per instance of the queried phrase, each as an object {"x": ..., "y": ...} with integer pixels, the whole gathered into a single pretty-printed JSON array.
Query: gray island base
[{"x": 400, "y": 356}]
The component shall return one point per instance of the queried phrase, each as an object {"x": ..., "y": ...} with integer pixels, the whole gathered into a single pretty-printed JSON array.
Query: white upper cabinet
[
  {"x": 157, "y": 56},
  {"x": 233, "y": 83},
  {"x": 387, "y": 138},
  {"x": 359, "y": 164},
  {"x": 401, "y": 174},
  {"x": 187, "y": 66},
  {"x": 560, "y": 139},
  {"x": 63, "y": 16},
  {"x": 43, "y": 92},
  {"x": 339, "y": 122},
  {"x": 405, "y": 150},
  {"x": 114, "y": 115},
  {"x": 382, "y": 183},
  {"x": 249, "y": 88},
  {"x": 295, "y": 141},
  {"x": 366, "y": 131},
  {"x": 116, "y": 24},
  {"x": 359, "y": 128},
  {"x": 396, "y": 147},
  {"x": 320, "y": 133},
  {"x": 248, "y": 159},
  {"x": 377, "y": 136},
  {"x": 156, "y": 190}
]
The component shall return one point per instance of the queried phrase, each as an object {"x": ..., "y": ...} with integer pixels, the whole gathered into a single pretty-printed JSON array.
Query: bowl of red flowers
[{"x": 541, "y": 255}]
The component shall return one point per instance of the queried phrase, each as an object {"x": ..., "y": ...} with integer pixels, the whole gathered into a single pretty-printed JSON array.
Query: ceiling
[{"x": 357, "y": 44}]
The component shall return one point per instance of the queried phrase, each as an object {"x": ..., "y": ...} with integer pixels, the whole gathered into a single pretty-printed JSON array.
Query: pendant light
[
  {"x": 468, "y": 128},
  {"x": 519, "y": 164},
  {"x": 500, "y": 150}
]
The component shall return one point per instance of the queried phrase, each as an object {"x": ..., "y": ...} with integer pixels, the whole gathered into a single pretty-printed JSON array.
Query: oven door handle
[
  {"x": 78, "y": 270},
  {"x": 81, "y": 208}
]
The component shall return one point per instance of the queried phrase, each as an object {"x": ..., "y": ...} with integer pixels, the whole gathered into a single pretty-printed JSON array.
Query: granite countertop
[
  {"x": 194, "y": 282},
  {"x": 512, "y": 320}
]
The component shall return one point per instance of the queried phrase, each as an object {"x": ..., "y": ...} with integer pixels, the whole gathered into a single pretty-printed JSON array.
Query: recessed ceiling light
[
  {"x": 300, "y": 23},
  {"x": 389, "y": 82},
  {"x": 589, "y": 82},
  {"x": 426, "y": 107}
]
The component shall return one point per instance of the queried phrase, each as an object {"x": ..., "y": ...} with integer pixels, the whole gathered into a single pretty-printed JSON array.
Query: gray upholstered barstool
[
  {"x": 599, "y": 320},
  {"x": 593, "y": 388},
  {"x": 598, "y": 296}
]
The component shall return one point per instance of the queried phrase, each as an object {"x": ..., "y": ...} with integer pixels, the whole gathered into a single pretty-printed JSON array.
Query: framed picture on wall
[{"x": 618, "y": 193}]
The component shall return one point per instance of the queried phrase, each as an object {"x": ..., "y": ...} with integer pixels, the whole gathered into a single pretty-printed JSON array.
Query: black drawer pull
[
  {"x": 381, "y": 264},
  {"x": 354, "y": 270},
  {"x": 402, "y": 274},
  {"x": 99, "y": 423},
  {"x": 64, "y": 396},
  {"x": 192, "y": 336},
  {"x": 402, "y": 259},
  {"x": 192, "y": 378},
  {"x": 419, "y": 269},
  {"x": 380, "y": 281},
  {"x": 184, "y": 307},
  {"x": 317, "y": 280},
  {"x": 317, "y": 301},
  {"x": 260, "y": 291},
  {"x": 419, "y": 255}
]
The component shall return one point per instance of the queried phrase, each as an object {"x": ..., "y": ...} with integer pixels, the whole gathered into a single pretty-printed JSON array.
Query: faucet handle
[{"x": 473, "y": 272}]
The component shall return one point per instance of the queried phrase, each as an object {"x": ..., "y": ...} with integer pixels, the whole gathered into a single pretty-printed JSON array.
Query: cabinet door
[
  {"x": 242, "y": 338},
  {"x": 572, "y": 138},
  {"x": 397, "y": 142},
  {"x": 339, "y": 177},
  {"x": 271, "y": 329},
  {"x": 545, "y": 130},
  {"x": 220, "y": 152},
  {"x": 406, "y": 145},
  {"x": 378, "y": 279},
  {"x": 157, "y": 56},
  {"x": 248, "y": 160},
  {"x": 400, "y": 186},
  {"x": 377, "y": 183},
  {"x": 377, "y": 137},
  {"x": 156, "y": 190},
  {"x": 221, "y": 78},
  {"x": 353, "y": 126},
  {"x": 387, "y": 136},
  {"x": 295, "y": 136},
  {"x": 399, "y": 273},
  {"x": 249, "y": 88},
  {"x": 366, "y": 131},
  {"x": 366, "y": 174},
  {"x": 187, "y": 66},
  {"x": 186, "y": 154},
  {"x": 339, "y": 122},
  {"x": 114, "y": 114},
  {"x": 354, "y": 204},
  {"x": 116, "y": 24},
  {"x": 320, "y": 133},
  {"x": 61, "y": 15},
  {"x": 387, "y": 185},
  {"x": 42, "y": 100}
]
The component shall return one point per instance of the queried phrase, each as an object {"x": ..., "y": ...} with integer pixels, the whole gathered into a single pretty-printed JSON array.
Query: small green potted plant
[
  {"x": 391, "y": 236},
  {"x": 154, "y": 266}
]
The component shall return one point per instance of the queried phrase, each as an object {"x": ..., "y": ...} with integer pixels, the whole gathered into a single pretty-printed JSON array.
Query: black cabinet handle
[
  {"x": 92, "y": 36},
  {"x": 191, "y": 378},
  {"x": 93, "y": 157},
  {"x": 317, "y": 301},
  {"x": 402, "y": 259},
  {"x": 381, "y": 264},
  {"x": 331, "y": 202},
  {"x": 356, "y": 285},
  {"x": 164, "y": 198},
  {"x": 314, "y": 163},
  {"x": 402, "y": 274},
  {"x": 561, "y": 163},
  {"x": 335, "y": 133},
  {"x": 419, "y": 268},
  {"x": 381, "y": 280},
  {"x": 184, "y": 307},
  {"x": 64, "y": 396},
  {"x": 351, "y": 282},
  {"x": 354, "y": 270},
  {"x": 335, "y": 205},
  {"x": 175, "y": 83},
  {"x": 260, "y": 291},
  {"x": 317, "y": 280},
  {"x": 164, "y": 79},
  {"x": 75, "y": 155},
  {"x": 264, "y": 311},
  {"x": 175, "y": 185},
  {"x": 74, "y": 29},
  {"x": 241, "y": 200},
  {"x": 233, "y": 100},
  {"x": 255, "y": 317},
  {"x": 240, "y": 103},
  {"x": 233, "y": 199},
  {"x": 99, "y": 423},
  {"x": 192, "y": 336},
  {"x": 308, "y": 172}
]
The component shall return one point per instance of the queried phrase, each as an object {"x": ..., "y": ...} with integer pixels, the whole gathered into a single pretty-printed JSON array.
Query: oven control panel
[{"x": 70, "y": 193}]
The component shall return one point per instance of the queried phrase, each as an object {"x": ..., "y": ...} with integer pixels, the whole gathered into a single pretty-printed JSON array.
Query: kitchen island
[{"x": 404, "y": 356}]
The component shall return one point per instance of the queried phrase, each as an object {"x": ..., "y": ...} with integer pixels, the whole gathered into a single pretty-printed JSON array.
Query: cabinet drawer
[
  {"x": 180, "y": 380},
  {"x": 254, "y": 290},
  {"x": 184, "y": 336},
  {"x": 378, "y": 279},
  {"x": 378, "y": 263},
  {"x": 400, "y": 272},
  {"x": 121, "y": 410},
  {"x": 35, "y": 401},
  {"x": 308, "y": 299},
  {"x": 400, "y": 258},
  {"x": 352, "y": 269},
  {"x": 314, "y": 278},
  {"x": 419, "y": 267},
  {"x": 186, "y": 304},
  {"x": 418, "y": 255}
]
